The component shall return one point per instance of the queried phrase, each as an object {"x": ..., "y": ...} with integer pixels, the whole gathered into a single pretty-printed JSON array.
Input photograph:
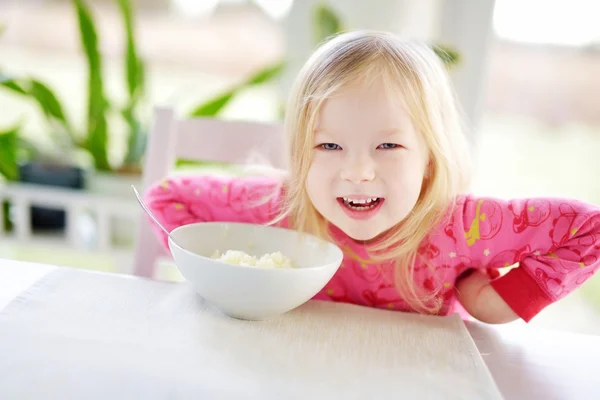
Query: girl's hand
[{"x": 481, "y": 301}]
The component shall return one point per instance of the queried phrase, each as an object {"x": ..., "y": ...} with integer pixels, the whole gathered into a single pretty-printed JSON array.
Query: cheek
[
  {"x": 323, "y": 166},
  {"x": 403, "y": 174},
  {"x": 320, "y": 180},
  {"x": 311, "y": 180},
  {"x": 314, "y": 182}
]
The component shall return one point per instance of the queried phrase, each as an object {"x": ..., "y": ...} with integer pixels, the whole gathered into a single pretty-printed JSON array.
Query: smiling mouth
[{"x": 365, "y": 204}]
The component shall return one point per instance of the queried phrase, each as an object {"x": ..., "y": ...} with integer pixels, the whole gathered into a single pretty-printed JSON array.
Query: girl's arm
[
  {"x": 182, "y": 200},
  {"x": 555, "y": 242},
  {"x": 481, "y": 301}
]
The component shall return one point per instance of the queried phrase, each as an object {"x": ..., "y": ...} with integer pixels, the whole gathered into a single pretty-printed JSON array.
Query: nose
[{"x": 358, "y": 171}]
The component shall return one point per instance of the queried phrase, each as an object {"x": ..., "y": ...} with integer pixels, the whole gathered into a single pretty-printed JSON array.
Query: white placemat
[
  {"x": 76, "y": 334},
  {"x": 16, "y": 277}
]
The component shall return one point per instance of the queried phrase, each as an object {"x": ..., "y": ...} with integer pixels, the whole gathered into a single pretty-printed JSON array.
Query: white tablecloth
[{"x": 76, "y": 334}]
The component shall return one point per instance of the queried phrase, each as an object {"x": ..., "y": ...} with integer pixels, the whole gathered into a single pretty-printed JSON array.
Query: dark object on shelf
[{"x": 64, "y": 176}]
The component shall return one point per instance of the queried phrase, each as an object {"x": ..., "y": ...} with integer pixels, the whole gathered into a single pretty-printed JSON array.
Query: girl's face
[{"x": 368, "y": 163}]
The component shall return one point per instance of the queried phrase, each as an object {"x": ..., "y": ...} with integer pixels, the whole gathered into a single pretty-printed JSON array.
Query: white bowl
[{"x": 253, "y": 293}]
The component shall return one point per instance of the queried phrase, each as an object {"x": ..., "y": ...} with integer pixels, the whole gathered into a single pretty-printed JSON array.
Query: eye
[
  {"x": 329, "y": 146},
  {"x": 388, "y": 146}
]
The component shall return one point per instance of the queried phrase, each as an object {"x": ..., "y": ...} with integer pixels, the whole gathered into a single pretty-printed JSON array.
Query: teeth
[
  {"x": 360, "y": 201},
  {"x": 360, "y": 204}
]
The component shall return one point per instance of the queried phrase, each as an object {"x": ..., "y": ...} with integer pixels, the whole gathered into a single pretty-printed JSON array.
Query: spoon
[{"x": 139, "y": 199}]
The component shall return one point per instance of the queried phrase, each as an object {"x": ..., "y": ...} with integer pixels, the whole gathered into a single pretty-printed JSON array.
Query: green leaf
[
  {"x": 48, "y": 103},
  {"x": 41, "y": 93},
  {"x": 212, "y": 107},
  {"x": 10, "y": 83},
  {"x": 449, "y": 56},
  {"x": 136, "y": 87},
  {"x": 136, "y": 141},
  {"x": 97, "y": 126},
  {"x": 325, "y": 23},
  {"x": 52, "y": 109},
  {"x": 9, "y": 166},
  {"x": 133, "y": 64},
  {"x": 265, "y": 75}
]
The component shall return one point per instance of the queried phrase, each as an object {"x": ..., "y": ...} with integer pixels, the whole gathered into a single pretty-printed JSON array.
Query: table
[{"x": 525, "y": 362}]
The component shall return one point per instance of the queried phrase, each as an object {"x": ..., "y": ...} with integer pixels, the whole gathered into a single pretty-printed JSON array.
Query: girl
[{"x": 378, "y": 165}]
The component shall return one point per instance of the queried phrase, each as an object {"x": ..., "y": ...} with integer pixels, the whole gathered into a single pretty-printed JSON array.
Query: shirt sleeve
[
  {"x": 555, "y": 242},
  {"x": 182, "y": 200}
]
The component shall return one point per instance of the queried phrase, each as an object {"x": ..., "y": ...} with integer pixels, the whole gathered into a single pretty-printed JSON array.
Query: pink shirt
[{"x": 555, "y": 241}]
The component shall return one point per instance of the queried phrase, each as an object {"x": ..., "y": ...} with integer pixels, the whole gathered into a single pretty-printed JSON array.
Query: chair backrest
[{"x": 207, "y": 139}]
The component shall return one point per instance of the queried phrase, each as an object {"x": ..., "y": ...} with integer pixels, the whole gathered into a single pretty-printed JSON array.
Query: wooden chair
[{"x": 172, "y": 138}]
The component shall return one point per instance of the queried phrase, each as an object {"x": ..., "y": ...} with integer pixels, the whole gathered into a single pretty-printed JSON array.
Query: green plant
[
  {"x": 449, "y": 56},
  {"x": 98, "y": 105},
  {"x": 216, "y": 104},
  {"x": 95, "y": 139},
  {"x": 10, "y": 139},
  {"x": 97, "y": 109},
  {"x": 8, "y": 167},
  {"x": 213, "y": 107},
  {"x": 33, "y": 89},
  {"x": 8, "y": 153},
  {"x": 325, "y": 23},
  {"x": 136, "y": 89}
]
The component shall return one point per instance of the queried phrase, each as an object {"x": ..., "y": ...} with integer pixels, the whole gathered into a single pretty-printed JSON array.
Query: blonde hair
[{"x": 420, "y": 76}]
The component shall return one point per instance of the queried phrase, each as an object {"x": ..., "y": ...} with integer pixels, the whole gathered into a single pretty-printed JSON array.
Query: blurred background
[{"x": 79, "y": 79}]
